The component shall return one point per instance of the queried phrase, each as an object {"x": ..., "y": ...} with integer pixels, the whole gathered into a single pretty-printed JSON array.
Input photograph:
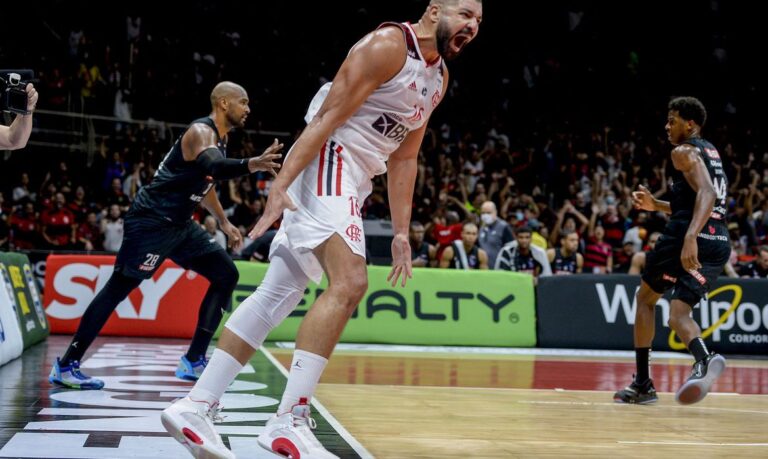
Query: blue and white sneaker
[
  {"x": 72, "y": 378},
  {"x": 190, "y": 371}
]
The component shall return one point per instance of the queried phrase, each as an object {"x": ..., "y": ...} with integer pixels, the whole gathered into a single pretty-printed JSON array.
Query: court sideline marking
[{"x": 348, "y": 437}]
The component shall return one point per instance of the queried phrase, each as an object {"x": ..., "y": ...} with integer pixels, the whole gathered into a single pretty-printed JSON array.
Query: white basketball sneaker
[
  {"x": 191, "y": 424},
  {"x": 290, "y": 435}
]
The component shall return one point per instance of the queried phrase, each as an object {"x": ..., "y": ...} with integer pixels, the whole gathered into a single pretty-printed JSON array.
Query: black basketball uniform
[
  {"x": 663, "y": 268},
  {"x": 422, "y": 253},
  {"x": 473, "y": 258},
  {"x": 562, "y": 264},
  {"x": 159, "y": 223}
]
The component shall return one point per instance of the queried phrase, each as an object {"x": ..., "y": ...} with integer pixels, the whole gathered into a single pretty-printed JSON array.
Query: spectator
[
  {"x": 464, "y": 253},
  {"x": 598, "y": 257},
  {"x": 115, "y": 196},
  {"x": 59, "y": 224},
  {"x": 638, "y": 259},
  {"x": 522, "y": 256},
  {"x": 25, "y": 226},
  {"x": 758, "y": 268},
  {"x": 89, "y": 236},
  {"x": 565, "y": 259},
  {"x": 494, "y": 232},
  {"x": 422, "y": 253},
  {"x": 22, "y": 190},
  {"x": 78, "y": 206},
  {"x": 622, "y": 259},
  {"x": 112, "y": 228},
  {"x": 445, "y": 230}
]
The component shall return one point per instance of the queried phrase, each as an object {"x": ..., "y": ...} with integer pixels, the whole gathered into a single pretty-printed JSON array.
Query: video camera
[{"x": 13, "y": 90}]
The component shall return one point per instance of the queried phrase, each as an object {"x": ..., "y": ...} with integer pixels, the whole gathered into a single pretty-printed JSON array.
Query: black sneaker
[
  {"x": 637, "y": 393},
  {"x": 704, "y": 374}
]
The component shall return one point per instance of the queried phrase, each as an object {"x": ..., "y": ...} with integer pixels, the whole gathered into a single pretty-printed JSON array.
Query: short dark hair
[
  {"x": 523, "y": 229},
  {"x": 763, "y": 248},
  {"x": 689, "y": 109},
  {"x": 566, "y": 232}
]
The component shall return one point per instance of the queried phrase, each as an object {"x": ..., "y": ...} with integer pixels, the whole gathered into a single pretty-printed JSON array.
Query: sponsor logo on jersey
[
  {"x": 413, "y": 87},
  {"x": 669, "y": 278},
  {"x": 435, "y": 98},
  {"x": 712, "y": 153},
  {"x": 417, "y": 114},
  {"x": 387, "y": 126}
]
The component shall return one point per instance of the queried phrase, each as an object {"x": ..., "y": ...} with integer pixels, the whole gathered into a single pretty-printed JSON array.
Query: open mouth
[{"x": 458, "y": 42}]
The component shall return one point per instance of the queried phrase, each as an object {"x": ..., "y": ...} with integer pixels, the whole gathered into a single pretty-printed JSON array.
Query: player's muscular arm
[
  {"x": 198, "y": 138},
  {"x": 402, "y": 168},
  {"x": 199, "y": 145},
  {"x": 686, "y": 159},
  {"x": 373, "y": 61}
]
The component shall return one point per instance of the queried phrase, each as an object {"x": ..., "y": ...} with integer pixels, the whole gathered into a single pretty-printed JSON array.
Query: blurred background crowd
[{"x": 554, "y": 116}]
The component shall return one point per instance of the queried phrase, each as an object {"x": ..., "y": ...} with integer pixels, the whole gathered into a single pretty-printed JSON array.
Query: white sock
[
  {"x": 220, "y": 371},
  {"x": 306, "y": 369}
]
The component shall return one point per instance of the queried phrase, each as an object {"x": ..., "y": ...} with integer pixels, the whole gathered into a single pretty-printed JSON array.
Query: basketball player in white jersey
[{"x": 371, "y": 119}]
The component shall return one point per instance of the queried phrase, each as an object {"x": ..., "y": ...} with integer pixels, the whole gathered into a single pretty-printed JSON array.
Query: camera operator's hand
[{"x": 32, "y": 97}]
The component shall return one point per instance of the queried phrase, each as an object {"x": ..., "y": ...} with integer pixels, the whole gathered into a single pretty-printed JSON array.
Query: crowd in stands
[{"x": 528, "y": 173}]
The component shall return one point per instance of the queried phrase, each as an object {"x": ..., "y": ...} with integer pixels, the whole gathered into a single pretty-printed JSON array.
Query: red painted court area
[{"x": 529, "y": 372}]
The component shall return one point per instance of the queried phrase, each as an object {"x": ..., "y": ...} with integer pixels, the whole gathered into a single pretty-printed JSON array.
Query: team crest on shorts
[{"x": 354, "y": 232}]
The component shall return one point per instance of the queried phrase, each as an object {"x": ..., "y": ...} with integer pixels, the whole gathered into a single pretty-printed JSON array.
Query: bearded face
[
  {"x": 458, "y": 25},
  {"x": 450, "y": 45}
]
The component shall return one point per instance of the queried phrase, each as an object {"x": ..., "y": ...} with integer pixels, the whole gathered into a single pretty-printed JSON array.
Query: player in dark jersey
[
  {"x": 465, "y": 253},
  {"x": 565, "y": 259},
  {"x": 688, "y": 256},
  {"x": 159, "y": 225}
]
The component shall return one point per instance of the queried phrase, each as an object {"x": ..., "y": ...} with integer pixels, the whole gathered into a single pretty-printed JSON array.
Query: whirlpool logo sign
[{"x": 735, "y": 313}]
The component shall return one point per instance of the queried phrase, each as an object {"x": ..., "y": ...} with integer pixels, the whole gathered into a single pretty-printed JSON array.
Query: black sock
[
  {"x": 221, "y": 272},
  {"x": 96, "y": 315},
  {"x": 199, "y": 344},
  {"x": 642, "y": 360},
  {"x": 698, "y": 349}
]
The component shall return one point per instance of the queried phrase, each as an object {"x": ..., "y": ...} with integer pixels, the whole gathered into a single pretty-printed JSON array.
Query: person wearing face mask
[{"x": 494, "y": 232}]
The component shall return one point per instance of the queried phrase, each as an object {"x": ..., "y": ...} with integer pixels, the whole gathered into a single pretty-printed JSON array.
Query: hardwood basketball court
[{"x": 391, "y": 402}]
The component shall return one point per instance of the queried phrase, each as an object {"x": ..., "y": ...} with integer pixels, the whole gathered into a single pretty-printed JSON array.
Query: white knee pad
[{"x": 277, "y": 296}]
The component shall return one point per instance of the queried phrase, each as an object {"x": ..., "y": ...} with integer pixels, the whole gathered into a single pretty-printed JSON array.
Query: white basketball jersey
[{"x": 397, "y": 107}]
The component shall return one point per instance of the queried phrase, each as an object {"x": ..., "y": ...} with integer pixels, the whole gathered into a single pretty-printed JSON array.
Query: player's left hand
[
  {"x": 689, "y": 257},
  {"x": 401, "y": 260},
  {"x": 234, "y": 239}
]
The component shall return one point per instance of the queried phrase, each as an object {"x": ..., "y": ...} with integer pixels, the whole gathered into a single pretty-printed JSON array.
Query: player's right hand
[
  {"x": 643, "y": 199},
  {"x": 277, "y": 202}
]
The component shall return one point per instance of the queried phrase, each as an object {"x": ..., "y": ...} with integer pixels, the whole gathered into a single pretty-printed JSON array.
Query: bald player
[{"x": 159, "y": 225}]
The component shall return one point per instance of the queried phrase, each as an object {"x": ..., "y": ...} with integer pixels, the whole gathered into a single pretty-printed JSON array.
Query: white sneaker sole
[
  {"x": 197, "y": 446},
  {"x": 694, "y": 391}
]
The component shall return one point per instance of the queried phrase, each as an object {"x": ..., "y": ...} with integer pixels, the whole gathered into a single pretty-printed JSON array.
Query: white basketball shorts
[{"x": 327, "y": 195}]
